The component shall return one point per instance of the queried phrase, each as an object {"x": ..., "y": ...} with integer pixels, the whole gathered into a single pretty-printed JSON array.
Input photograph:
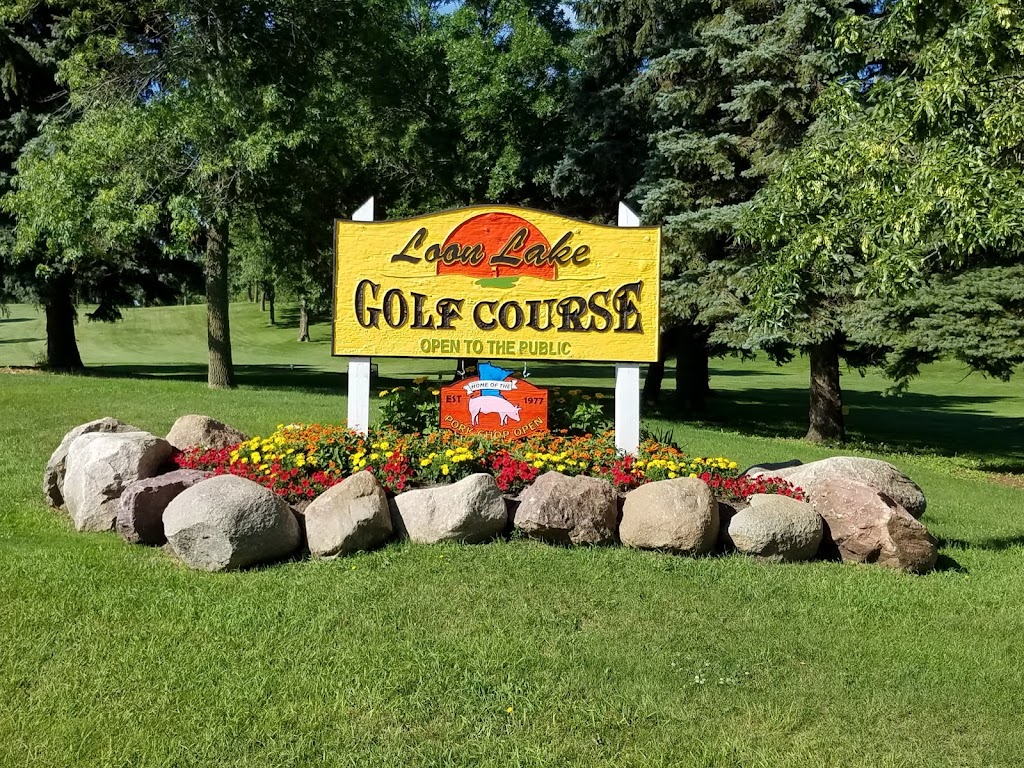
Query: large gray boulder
[
  {"x": 678, "y": 516},
  {"x": 350, "y": 517},
  {"x": 195, "y": 431},
  {"x": 140, "y": 511},
  {"x": 56, "y": 467},
  {"x": 866, "y": 526},
  {"x": 228, "y": 522},
  {"x": 100, "y": 466},
  {"x": 776, "y": 529},
  {"x": 880, "y": 475},
  {"x": 569, "y": 510},
  {"x": 469, "y": 511}
]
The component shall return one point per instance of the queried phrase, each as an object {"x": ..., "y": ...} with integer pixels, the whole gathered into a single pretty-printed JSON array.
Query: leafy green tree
[
  {"x": 31, "y": 95},
  {"x": 484, "y": 116},
  {"x": 910, "y": 171},
  {"x": 198, "y": 104}
]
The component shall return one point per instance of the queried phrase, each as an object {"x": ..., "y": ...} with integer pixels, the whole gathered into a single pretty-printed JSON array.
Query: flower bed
[{"x": 299, "y": 462}]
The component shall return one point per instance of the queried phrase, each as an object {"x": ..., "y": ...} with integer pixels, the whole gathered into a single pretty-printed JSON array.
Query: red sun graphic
[{"x": 495, "y": 232}]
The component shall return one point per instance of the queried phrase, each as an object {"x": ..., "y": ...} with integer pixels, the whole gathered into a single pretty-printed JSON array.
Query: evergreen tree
[{"x": 731, "y": 87}]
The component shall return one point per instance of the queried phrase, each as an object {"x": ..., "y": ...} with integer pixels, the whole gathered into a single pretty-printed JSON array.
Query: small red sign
[{"x": 511, "y": 408}]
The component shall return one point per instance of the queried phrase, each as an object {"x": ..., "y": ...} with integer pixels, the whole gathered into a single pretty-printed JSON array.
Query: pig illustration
[{"x": 493, "y": 404}]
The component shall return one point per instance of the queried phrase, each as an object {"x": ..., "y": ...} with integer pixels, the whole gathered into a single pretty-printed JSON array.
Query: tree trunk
[
  {"x": 61, "y": 345},
  {"x": 270, "y": 299},
  {"x": 692, "y": 370},
  {"x": 826, "y": 413},
  {"x": 303, "y": 319},
  {"x": 654, "y": 380},
  {"x": 221, "y": 373},
  {"x": 263, "y": 300},
  {"x": 656, "y": 371}
]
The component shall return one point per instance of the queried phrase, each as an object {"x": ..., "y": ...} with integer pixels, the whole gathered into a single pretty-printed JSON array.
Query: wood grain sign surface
[
  {"x": 497, "y": 282},
  {"x": 510, "y": 408}
]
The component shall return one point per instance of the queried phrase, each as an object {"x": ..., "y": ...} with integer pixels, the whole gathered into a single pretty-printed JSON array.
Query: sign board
[
  {"x": 498, "y": 282},
  {"x": 496, "y": 404}
]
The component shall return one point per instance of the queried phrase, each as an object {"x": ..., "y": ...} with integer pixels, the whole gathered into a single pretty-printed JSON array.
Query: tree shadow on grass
[
  {"x": 288, "y": 317},
  {"x": 915, "y": 422},
  {"x": 920, "y": 423},
  {"x": 20, "y": 341},
  {"x": 299, "y": 378},
  {"x": 997, "y": 544},
  {"x": 292, "y": 378}
]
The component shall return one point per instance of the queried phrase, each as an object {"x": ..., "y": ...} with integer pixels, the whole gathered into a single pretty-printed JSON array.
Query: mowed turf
[{"x": 511, "y": 653}]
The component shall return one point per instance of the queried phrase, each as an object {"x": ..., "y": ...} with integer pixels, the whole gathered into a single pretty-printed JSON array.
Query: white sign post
[
  {"x": 359, "y": 367},
  {"x": 627, "y": 379}
]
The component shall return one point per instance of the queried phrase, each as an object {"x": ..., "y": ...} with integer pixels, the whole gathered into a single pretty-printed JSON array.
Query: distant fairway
[
  {"x": 948, "y": 410},
  {"x": 512, "y": 653}
]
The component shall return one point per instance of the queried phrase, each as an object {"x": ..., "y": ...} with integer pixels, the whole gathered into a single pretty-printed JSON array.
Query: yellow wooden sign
[{"x": 497, "y": 282}]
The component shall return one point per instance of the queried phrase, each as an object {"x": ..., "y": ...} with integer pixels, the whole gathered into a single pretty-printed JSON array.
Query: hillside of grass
[{"x": 511, "y": 653}]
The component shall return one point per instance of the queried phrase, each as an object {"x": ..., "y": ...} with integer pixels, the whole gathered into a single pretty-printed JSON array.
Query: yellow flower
[
  {"x": 599, "y": 395},
  {"x": 385, "y": 445},
  {"x": 374, "y": 456},
  {"x": 693, "y": 475},
  {"x": 383, "y": 393},
  {"x": 673, "y": 475},
  {"x": 420, "y": 380},
  {"x": 256, "y": 457},
  {"x": 510, "y": 710},
  {"x": 425, "y": 462},
  {"x": 435, "y": 392},
  {"x": 538, "y": 464},
  {"x": 444, "y": 469}
]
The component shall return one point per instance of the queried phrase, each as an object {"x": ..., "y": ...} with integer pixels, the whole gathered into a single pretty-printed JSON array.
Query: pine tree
[{"x": 732, "y": 87}]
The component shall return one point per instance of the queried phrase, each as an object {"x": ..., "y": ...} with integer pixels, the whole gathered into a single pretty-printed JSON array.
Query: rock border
[{"x": 861, "y": 510}]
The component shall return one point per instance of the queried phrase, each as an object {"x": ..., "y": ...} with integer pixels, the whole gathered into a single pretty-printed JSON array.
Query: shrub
[{"x": 412, "y": 409}]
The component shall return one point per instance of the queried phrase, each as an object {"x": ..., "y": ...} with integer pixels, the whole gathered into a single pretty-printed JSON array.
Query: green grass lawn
[{"x": 511, "y": 653}]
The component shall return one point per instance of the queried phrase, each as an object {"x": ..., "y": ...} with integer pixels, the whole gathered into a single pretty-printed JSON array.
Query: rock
[
  {"x": 350, "y": 517},
  {"x": 568, "y": 510},
  {"x": 53, "y": 476},
  {"x": 770, "y": 468},
  {"x": 678, "y": 516},
  {"x": 469, "y": 511},
  {"x": 867, "y": 526},
  {"x": 228, "y": 522},
  {"x": 203, "y": 432},
  {"x": 141, "y": 508},
  {"x": 880, "y": 475},
  {"x": 727, "y": 510},
  {"x": 100, "y": 465},
  {"x": 777, "y": 529}
]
